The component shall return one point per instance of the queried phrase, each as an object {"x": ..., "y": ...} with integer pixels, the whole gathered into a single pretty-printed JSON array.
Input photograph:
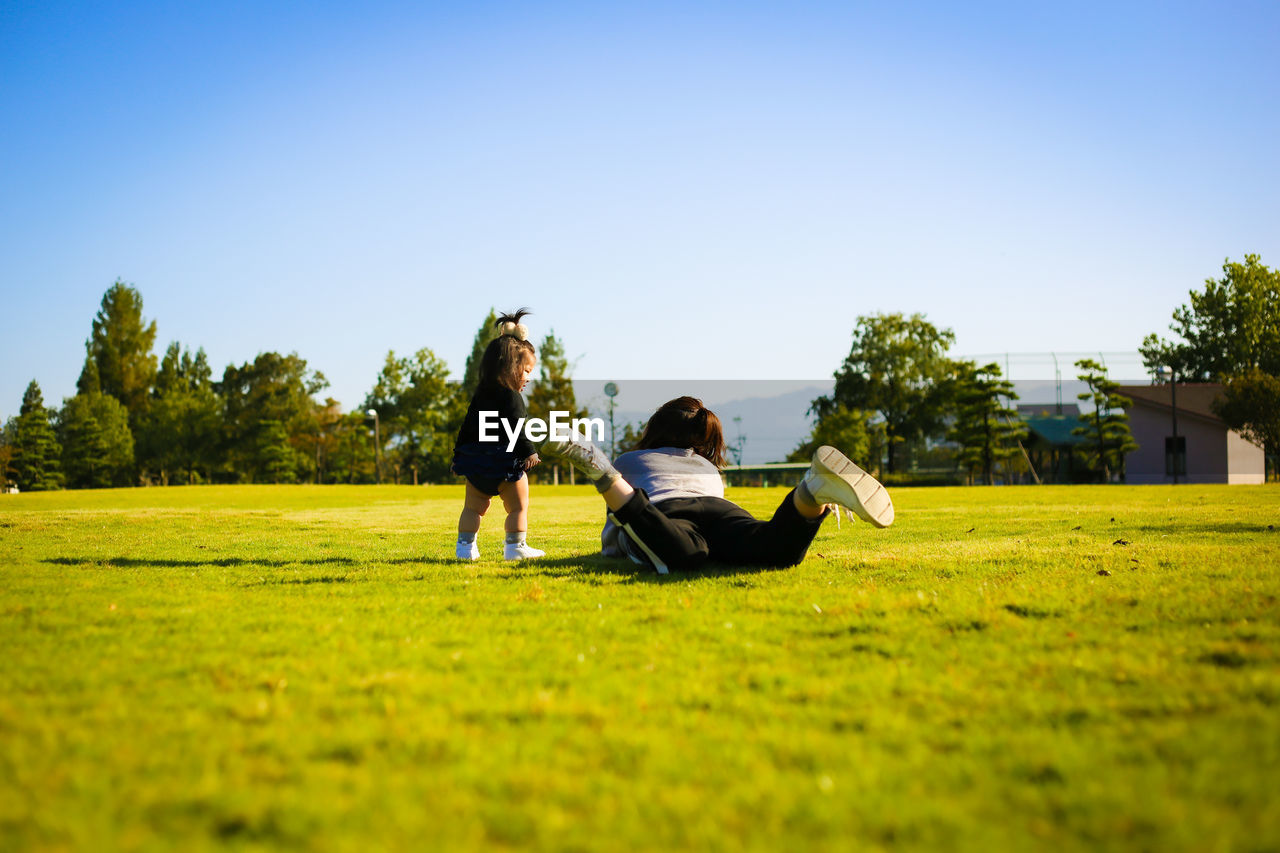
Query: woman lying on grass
[{"x": 666, "y": 501}]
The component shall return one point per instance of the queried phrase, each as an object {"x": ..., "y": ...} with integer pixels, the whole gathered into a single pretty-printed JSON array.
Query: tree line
[
  {"x": 137, "y": 419},
  {"x": 899, "y": 401},
  {"x": 899, "y": 398}
]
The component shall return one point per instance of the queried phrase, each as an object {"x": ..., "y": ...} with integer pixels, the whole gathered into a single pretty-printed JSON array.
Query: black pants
[{"x": 684, "y": 533}]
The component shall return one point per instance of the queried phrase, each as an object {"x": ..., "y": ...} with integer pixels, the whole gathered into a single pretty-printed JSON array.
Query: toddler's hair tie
[
  {"x": 515, "y": 330},
  {"x": 509, "y": 324}
]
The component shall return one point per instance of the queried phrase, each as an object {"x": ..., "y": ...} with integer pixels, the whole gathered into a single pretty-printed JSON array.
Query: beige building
[{"x": 1206, "y": 451}]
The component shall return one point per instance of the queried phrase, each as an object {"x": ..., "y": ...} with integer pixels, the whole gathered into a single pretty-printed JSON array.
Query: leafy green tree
[
  {"x": 349, "y": 450},
  {"x": 273, "y": 391},
  {"x": 1230, "y": 333},
  {"x": 553, "y": 390},
  {"x": 119, "y": 358},
  {"x": 89, "y": 381},
  {"x": 35, "y": 445},
  {"x": 487, "y": 332},
  {"x": 420, "y": 412},
  {"x": 986, "y": 429},
  {"x": 848, "y": 430},
  {"x": 182, "y": 429},
  {"x": 97, "y": 446},
  {"x": 328, "y": 418},
  {"x": 274, "y": 457},
  {"x": 1251, "y": 404},
  {"x": 897, "y": 368},
  {"x": 1106, "y": 428},
  {"x": 1231, "y": 327},
  {"x": 8, "y": 451}
]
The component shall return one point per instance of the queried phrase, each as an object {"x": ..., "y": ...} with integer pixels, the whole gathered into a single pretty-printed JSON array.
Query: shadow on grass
[
  {"x": 1230, "y": 528},
  {"x": 589, "y": 566},
  {"x": 586, "y": 567},
  {"x": 221, "y": 562}
]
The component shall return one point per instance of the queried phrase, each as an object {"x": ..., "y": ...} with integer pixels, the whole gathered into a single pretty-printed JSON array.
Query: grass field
[{"x": 305, "y": 667}]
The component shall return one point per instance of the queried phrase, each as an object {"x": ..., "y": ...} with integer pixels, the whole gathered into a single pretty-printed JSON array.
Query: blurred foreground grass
[{"x": 306, "y": 667}]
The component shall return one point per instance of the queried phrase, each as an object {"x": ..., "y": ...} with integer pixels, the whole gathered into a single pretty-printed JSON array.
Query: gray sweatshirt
[{"x": 666, "y": 472}]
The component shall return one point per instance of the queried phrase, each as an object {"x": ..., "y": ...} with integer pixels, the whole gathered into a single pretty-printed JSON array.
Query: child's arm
[{"x": 512, "y": 409}]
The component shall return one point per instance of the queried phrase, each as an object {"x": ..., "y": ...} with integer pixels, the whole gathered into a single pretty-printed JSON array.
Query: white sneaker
[
  {"x": 583, "y": 455},
  {"x": 520, "y": 551},
  {"x": 468, "y": 551},
  {"x": 833, "y": 479}
]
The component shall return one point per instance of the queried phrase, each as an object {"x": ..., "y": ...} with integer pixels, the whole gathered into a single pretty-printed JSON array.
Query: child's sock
[
  {"x": 515, "y": 538},
  {"x": 467, "y": 538}
]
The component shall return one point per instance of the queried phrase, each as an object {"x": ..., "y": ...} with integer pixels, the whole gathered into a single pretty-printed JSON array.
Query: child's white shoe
[
  {"x": 468, "y": 551},
  {"x": 520, "y": 551},
  {"x": 833, "y": 479}
]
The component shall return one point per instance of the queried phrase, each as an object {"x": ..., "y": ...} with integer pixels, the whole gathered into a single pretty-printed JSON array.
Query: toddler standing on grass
[{"x": 489, "y": 468}]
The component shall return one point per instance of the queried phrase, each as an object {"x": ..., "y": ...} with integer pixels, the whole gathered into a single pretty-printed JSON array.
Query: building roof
[
  {"x": 1193, "y": 398},
  {"x": 1055, "y": 429}
]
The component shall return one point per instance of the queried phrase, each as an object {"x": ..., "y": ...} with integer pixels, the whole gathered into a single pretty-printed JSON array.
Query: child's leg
[
  {"x": 515, "y": 499},
  {"x": 475, "y": 504}
]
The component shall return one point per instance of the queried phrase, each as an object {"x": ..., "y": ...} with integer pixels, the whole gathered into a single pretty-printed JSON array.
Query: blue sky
[{"x": 678, "y": 189}]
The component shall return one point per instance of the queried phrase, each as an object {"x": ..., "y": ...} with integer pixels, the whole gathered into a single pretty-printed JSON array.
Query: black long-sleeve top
[{"x": 510, "y": 408}]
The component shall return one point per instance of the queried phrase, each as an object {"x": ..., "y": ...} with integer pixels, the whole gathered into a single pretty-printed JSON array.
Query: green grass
[{"x": 305, "y": 667}]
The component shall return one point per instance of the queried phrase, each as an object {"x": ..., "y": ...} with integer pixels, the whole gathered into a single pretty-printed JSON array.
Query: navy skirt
[{"x": 487, "y": 465}]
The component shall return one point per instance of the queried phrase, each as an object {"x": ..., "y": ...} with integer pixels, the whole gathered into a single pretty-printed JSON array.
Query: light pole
[
  {"x": 1174, "y": 455},
  {"x": 611, "y": 389},
  {"x": 377, "y": 443}
]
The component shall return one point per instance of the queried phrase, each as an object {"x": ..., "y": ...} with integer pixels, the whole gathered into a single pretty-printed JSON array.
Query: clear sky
[{"x": 678, "y": 189}]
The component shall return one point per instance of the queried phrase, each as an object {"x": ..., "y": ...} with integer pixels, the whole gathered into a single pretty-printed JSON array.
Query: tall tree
[
  {"x": 1105, "y": 429},
  {"x": 349, "y": 450},
  {"x": 1230, "y": 333},
  {"x": 848, "y": 430},
  {"x": 1230, "y": 327},
  {"x": 420, "y": 412},
  {"x": 119, "y": 349},
  {"x": 8, "y": 452},
  {"x": 97, "y": 446},
  {"x": 35, "y": 446},
  {"x": 274, "y": 458},
  {"x": 986, "y": 429},
  {"x": 1250, "y": 403},
  {"x": 328, "y": 421},
  {"x": 897, "y": 368},
  {"x": 487, "y": 332},
  {"x": 553, "y": 390},
  {"x": 273, "y": 391},
  {"x": 181, "y": 431}
]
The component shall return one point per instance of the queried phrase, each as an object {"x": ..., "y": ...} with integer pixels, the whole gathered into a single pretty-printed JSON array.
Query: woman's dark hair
[
  {"x": 685, "y": 422},
  {"x": 504, "y": 358}
]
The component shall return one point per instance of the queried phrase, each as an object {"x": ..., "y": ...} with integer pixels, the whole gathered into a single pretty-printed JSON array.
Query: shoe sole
[{"x": 865, "y": 496}]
